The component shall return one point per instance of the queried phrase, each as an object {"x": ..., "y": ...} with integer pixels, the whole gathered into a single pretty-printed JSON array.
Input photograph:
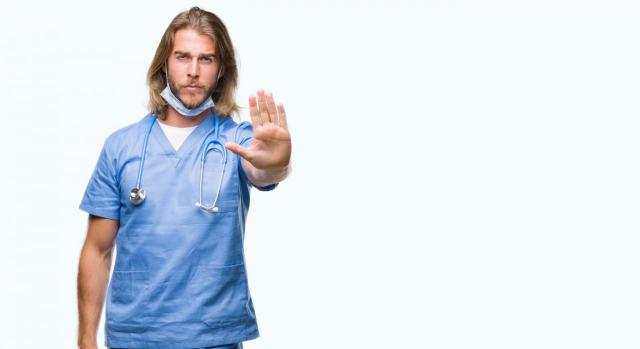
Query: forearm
[
  {"x": 93, "y": 277},
  {"x": 264, "y": 177}
]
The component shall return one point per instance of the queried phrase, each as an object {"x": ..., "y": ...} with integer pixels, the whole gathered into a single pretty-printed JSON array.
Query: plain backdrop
[{"x": 465, "y": 172}]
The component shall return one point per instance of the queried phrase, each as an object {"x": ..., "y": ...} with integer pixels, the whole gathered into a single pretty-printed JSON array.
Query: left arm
[{"x": 267, "y": 159}]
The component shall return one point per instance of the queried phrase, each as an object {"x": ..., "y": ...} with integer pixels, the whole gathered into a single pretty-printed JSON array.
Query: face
[{"x": 193, "y": 67}]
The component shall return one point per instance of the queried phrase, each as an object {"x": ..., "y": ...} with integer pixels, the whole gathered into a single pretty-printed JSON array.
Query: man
[{"x": 167, "y": 194}]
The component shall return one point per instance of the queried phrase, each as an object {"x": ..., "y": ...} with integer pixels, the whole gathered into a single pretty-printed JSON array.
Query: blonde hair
[{"x": 208, "y": 24}]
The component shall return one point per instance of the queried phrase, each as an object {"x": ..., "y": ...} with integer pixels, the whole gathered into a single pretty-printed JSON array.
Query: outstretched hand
[{"x": 271, "y": 144}]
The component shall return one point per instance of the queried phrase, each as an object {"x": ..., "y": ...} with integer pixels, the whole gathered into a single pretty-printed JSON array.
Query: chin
[
  {"x": 193, "y": 105},
  {"x": 191, "y": 102}
]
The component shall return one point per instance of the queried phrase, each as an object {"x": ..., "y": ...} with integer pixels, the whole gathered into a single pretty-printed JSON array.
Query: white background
[{"x": 465, "y": 172}]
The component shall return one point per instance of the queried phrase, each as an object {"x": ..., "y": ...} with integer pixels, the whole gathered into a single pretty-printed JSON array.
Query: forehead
[{"x": 190, "y": 40}]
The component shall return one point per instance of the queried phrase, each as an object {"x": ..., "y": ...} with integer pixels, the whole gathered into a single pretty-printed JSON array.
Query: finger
[
  {"x": 253, "y": 111},
  {"x": 282, "y": 116},
  {"x": 237, "y": 149},
  {"x": 271, "y": 107},
  {"x": 262, "y": 106}
]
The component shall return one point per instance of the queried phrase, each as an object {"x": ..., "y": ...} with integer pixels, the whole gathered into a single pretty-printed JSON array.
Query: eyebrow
[{"x": 188, "y": 54}]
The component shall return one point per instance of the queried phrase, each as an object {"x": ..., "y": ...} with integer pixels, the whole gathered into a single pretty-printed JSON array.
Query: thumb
[{"x": 237, "y": 149}]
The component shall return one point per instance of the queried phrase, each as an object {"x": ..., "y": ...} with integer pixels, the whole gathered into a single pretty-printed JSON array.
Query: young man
[{"x": 173, "y": 201}]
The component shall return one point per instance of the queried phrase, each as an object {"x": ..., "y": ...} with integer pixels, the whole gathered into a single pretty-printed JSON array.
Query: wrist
[{"x": 87, "y": 343}]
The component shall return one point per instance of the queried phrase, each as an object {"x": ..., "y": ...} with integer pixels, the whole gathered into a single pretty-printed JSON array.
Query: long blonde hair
[{"x": 208, "y": 24}]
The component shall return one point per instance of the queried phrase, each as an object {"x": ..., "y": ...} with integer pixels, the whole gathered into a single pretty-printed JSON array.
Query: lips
[{"x": 192, "y": 87}]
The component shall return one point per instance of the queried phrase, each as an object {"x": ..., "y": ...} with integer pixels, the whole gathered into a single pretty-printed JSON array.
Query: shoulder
[
  {"x": 236, "y": 130},
  {"x": 121, "y": 138}
]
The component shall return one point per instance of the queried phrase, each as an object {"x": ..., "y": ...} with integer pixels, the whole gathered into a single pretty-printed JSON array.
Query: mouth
[{"x": 192, "y": 88}]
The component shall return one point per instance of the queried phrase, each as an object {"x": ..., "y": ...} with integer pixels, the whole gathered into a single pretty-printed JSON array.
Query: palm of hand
[
  {"x": 271, "y": 143},
  {"x": 270, "y": 147}
]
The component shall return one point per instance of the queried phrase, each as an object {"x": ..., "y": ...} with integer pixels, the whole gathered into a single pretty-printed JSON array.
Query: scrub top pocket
[
  {"x": 126, "y": 288},
  {"x": 213, "y": 169},
  {"x": 222, "y": 295},
  {"x": 127, "y": 284}
]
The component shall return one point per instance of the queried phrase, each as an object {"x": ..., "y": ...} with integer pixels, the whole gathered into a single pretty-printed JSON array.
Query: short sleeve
[
  {"x": 101, "y": 196},
  {"x": 244, "y": 135}
]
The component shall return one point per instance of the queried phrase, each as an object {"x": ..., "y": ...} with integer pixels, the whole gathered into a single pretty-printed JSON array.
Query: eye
[
  {"x": 207, "y": 59},
  {"x": 180, "y": 57}
]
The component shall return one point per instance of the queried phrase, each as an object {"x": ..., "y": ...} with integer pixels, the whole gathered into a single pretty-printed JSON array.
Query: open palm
[{"x": 271, "y": 144}]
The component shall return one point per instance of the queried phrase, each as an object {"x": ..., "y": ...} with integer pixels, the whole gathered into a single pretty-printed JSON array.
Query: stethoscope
[{"x": 138, "y": 194}]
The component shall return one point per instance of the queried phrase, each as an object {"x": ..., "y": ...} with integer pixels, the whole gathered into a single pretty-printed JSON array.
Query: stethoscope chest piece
[{"x": 137, "y": 196}]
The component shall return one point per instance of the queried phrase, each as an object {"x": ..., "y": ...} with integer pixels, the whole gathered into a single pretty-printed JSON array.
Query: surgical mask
[{"x": 175, "y": 102}]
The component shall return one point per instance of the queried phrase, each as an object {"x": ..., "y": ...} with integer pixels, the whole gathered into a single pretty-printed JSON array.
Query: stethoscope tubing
[
  {"x": 144, "y": 152},
  {"x": 203, "y": 157},
  {"x": 137, "y": 195}
]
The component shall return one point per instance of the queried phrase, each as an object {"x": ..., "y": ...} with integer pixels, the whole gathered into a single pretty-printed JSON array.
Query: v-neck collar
[{"x": 194, "y": 138}]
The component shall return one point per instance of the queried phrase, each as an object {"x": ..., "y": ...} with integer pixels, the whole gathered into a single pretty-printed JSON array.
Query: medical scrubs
[{"x": 179, "y": 279}]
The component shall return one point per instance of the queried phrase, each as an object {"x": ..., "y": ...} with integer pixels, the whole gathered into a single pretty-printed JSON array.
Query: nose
[{"x": 194, "y": 69}]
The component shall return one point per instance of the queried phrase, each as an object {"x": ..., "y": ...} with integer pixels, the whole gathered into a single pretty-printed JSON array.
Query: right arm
[{"x": 93, "y": 277}]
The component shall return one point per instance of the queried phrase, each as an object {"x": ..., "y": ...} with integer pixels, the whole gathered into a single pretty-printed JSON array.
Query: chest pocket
[{"x": 217, "y": 181}]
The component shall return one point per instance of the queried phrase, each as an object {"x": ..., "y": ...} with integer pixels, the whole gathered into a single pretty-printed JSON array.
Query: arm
[
  {"x": 93, "y": 277},
  {"x": 267, "y": 159}
]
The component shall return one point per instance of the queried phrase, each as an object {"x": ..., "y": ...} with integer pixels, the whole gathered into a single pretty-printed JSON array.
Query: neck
[{"x": 175, "y": 119}]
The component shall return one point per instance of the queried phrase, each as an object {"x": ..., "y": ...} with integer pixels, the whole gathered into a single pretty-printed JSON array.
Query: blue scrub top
[{"x": 179, "y": 279}]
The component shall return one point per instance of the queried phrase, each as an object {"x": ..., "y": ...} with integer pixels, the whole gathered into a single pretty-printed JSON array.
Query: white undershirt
[{"x": 176, "y": 135}]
